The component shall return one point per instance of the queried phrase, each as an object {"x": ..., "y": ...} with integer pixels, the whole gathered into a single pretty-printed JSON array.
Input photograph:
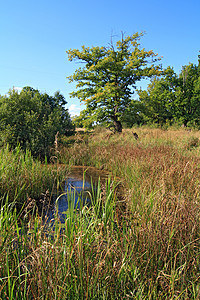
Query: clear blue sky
[{"x": 36, "y": 34}]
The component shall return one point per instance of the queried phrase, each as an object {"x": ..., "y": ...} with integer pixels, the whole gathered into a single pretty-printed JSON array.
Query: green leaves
[
  {"x": 109, "y": 75},
  {"x": 173, "y": 98},
  {"x": 32, "y": 119},
  {"x": 158, "y": 100}
]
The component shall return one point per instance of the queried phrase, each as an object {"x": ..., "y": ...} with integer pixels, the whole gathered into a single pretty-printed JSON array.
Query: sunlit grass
[
  {"x": 159, "y": 173},
  {"x": 23, "y": 178},
  {"x": 140, "y": 238}
]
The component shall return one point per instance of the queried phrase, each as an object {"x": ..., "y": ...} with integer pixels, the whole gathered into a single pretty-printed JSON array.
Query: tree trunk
[
  {"x": 117, "y": 123},
  {"x": 117, "y": 126}
]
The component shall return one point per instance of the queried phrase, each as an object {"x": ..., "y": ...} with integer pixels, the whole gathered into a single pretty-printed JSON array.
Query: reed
[
  {"x": 23, "y": 177},
  {"x": 71, "y": 261},
  {"x": 160, "y": 178},
  {"x": 139, "y": 239}
]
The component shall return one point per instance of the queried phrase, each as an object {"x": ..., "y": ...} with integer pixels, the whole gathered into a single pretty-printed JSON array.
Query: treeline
[
  {"x": 106, "y": 83},
  {"x": 169, "y": 99},
  {"x": 32, "y": 119}
]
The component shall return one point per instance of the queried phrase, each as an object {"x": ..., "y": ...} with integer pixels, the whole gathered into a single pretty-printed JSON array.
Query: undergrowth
[
  {"x": 140, "y": 238},
  {"x": 23, "y": 178}
]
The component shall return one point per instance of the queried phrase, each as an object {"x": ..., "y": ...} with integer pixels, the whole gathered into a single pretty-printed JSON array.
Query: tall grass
[
  {"x": 140, "y": 238},
  {"x": 73, "y": 261},
  {"x": 161, "y": 206},
  {"x": 23, "y": 178}
]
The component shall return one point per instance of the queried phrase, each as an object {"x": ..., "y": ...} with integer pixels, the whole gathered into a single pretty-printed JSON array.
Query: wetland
[{"x": 142, "y": 243}]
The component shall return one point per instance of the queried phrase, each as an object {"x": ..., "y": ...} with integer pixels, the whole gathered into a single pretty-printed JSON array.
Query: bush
[{"x": 32, "y": 120}]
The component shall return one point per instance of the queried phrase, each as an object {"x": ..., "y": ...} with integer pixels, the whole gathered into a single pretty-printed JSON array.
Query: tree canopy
[
  {"x": 188, "y": 95},
  {"x": 32, "y": 119},
  {"x": 173, "y": 98},
  {"x": 107, "y": 80},
  {"x": 157, "y": 102}
]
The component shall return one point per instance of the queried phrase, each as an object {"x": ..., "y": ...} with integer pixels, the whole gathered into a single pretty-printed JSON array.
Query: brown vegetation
[{"x": 138, "y": 241}]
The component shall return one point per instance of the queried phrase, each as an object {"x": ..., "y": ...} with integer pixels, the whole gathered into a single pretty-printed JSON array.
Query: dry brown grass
[
  {"x": 148, "y": 247},
  {"x": 160, "y": 173}
]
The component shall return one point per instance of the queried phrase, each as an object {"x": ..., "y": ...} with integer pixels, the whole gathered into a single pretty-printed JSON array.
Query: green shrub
[{"x": 32, "y": 120}]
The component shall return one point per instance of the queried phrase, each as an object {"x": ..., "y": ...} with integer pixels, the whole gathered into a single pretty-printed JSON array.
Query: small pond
[{"x": 76, "y": 190}]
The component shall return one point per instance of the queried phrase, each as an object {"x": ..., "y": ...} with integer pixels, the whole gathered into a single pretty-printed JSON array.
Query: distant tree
[
  {"x": 133, "y": 114},
  {"x": 32, "y": 119},
  {"x": 107, "y": 80},
  {"x": 77, "y": 122},
  {"x": 172, "y": 98},
  {"x": 157, "y": 103},
  {"x": 188, "y": 95}
]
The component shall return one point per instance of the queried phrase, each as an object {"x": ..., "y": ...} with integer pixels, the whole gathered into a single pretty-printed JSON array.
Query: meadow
[{"x": 140, "y": 238}]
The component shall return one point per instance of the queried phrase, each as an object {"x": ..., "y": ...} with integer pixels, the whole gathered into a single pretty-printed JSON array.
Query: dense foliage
[
  {"x": 32, "y": 119},
  {"x": 157, "y": 103},
  {"x": 172, "y": 98},
  {"x": 108, "y": 77},
  {"x": 169, "y": 99}
]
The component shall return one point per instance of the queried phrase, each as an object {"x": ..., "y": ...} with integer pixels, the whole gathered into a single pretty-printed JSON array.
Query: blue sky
[{"x": 36, "y": 34}]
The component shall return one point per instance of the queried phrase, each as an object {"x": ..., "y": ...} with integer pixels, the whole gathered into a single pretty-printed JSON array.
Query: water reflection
[{"x": 76, "y": 192}]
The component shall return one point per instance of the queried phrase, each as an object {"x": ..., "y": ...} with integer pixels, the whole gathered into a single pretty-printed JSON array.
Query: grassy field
[{"x": 139, "y": 240}]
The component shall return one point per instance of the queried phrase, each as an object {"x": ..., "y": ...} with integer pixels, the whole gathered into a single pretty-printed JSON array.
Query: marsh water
[{"x": 77, "y": 188}]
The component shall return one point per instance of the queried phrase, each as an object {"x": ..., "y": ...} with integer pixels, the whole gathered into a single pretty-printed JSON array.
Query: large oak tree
[{"x": 107, "y": 79}]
